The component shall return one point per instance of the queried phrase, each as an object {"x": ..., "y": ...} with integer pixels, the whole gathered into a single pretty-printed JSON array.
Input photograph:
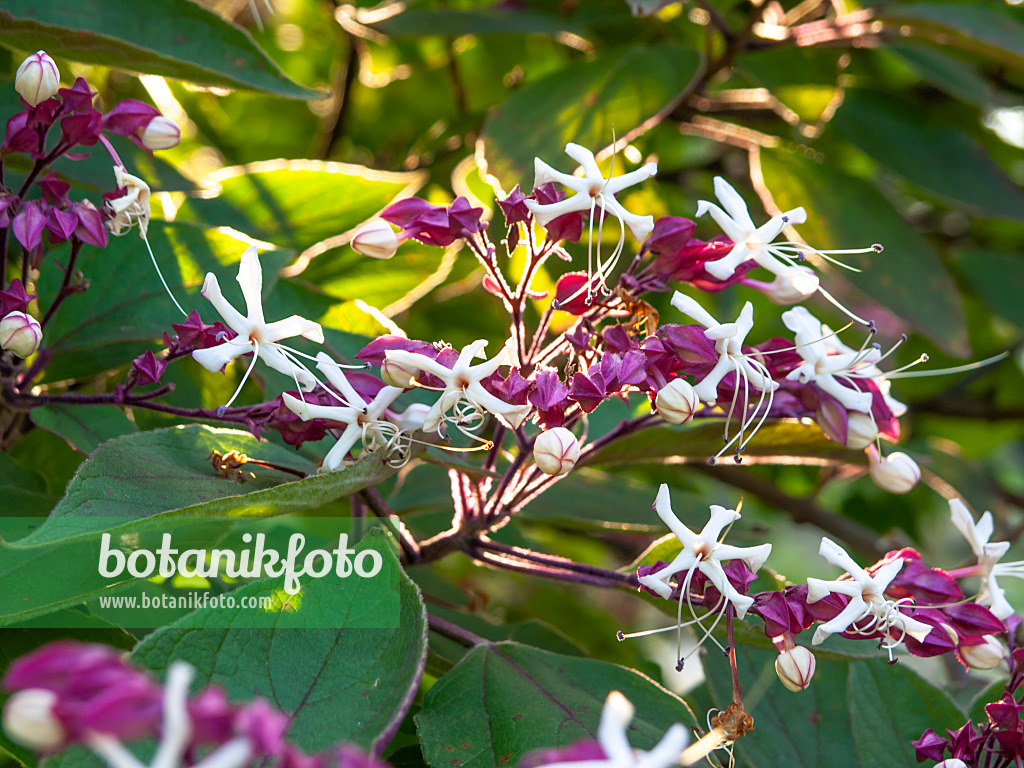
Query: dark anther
[
  {"x": 679, "y": 665},
  {"x": 711, "y": 461},
  {"x": 620, "y": 635},
  {"x": 556, "y": 304},
  {"x": 221, "y": 410},
  {"x": 877, "y": 248}
]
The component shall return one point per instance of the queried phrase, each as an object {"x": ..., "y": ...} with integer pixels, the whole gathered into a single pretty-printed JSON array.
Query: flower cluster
[{"x": 68, "y": 693}]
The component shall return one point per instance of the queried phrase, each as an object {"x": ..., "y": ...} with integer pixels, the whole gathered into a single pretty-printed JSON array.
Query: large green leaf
[
  {"x": 150, "y": 477},
  {"x": 202, "y": 48},
  {"x": 84, "y": 427},
  {"x": 342, "y": 683},
  {"x": 926, "y": 153},
  {"x": 297, "y": 203},
  {"x": 503, "y": 700},
  {"x": 997, "y": 277},
  {"x": 982, "y": 28},
  {"x": 856, "y": 712},
  {"x": 584, "y": 103},
  {"x": 782, "y": 440},
  {"x": 475, "y": 21},
  {"x": 125, "y": 307},
  {"x": 908, "y": 279}
]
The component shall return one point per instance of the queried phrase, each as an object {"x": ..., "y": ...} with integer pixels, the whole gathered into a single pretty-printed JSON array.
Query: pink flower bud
[
  {"x": 676, "y": 402},
  {"x": 20, "y": 333},
  {"x": 895, "y": 473},
  {"x": 987, "y": 655},
  {"x": 795, "y": 668},
  {"x": 29, "y": 720},
  {"x": 37, "y": 79},
  {"x": 556, "y": 451},
  {"x": 161, "y": 133},
  {"x": 376, "y": 240}
]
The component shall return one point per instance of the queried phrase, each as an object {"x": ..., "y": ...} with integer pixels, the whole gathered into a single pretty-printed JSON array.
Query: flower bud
[
  {"x": 676, "y": 402},
  {"x": 396, "y": 374},
  {"x": 896, "y": 473},
  {"x": 795, "y": 668},
  {"x": 861, "y": 430},
  {"x": 556, "y": 451},
  {"x": 37, "y": 79},
  {"x": 28, "y": 719},
  {"x": 413, "y": 417},
  {"x": 987, "y": 655},
  {"x": 20, "y": 333},
  {"x": 376, "y": 240},
  {"x": 951, "y": 762},
  {"x": 161, "y": 133},
  {"x": 792, "y": 287}
]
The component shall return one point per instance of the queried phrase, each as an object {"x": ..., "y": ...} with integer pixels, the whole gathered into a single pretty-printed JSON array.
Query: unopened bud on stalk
[
  {"x": 413, "y": 417},
  {"x": 676, "y": 402},
  {"x": 896, "y": 473},
  {"x": 376, "y": 240},
  {"x": 396, "y": 374},
  {"x": 37, "y": 78},
  {"x": 556, "y": 451},
  {"x": 861, "y": 430},
  {"x": 795, "y": 668},
  {"x": 20, "y": 333},
  {"x": 987, "y": 655},
  {"x": 161, "y": 133},
  {"x": 28, "y": 719}
]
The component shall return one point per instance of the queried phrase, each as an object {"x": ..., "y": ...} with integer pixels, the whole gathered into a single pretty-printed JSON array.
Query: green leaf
[
  {"x": 582, "y": 103},
  {"x": 150, "y": 478},
  {"x": 979, "y": 28},
  {"x": 927, "y": 153},
  {"x": 909, "y": 278},
  {"x": 996, "y": 276},
  {"x": 947, "y": 73},
  {"x": 298, "y": 203},
  {"x": 505, "y": 699},
  {"x": 417, "y": 22},
  {"x": 781, "y": 441},
  {"x": 16, "y": 475},
  {"x": 203, "y": 48},
  {"x": 345, "y": 684},
  {"x": 890, "y": 706},
  {"x": 125, "y": 305},
  {"x": 84, "y": 427}
]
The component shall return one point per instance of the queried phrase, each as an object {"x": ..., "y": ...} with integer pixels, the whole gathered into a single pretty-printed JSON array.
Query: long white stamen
[
  {"x": 159, "y": 273},
  {"x": 255, "y": 357},
  {"x": 942, "y": 371}
]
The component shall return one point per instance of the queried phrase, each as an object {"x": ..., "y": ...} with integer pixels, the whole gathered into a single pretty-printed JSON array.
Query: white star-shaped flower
[
  {"x": 705, "y": 552},
  {"x": 990, "y": 594},
  {"x": 729, "y": 339},
  {"x": 132, "y": 207},
  {"x": 867, "y": 599},
  {"x": 613, "y": 736},
  {"x": 254, "y": 334},
  {"x": 827, "y": 371},
  {"x": 866, "y": 368},
  {"x": 462, "y": 385},
  {"x": 365, "y": 422},
  {"x": 591, "y": 191},
  {"x": 754, "y": 242}
]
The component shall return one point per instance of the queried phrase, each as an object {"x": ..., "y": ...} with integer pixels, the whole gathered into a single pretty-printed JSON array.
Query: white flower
[
  {"x": 365, "y": 422},
  {"x": 705, "y": 553},
  {"x": 592, "y": 191},
  {"x": 867, "y": 600},
  {"x": 254, "y": 334},
  {"x": 866, "y": 369},
  {"x": 829, "y": 372},
  {"x": 753, "y": 242},
  {"x": 462, "y": 386},
  {"x": 613, "y": 736},
  {"x": 132, "y": 207},
  {"x": 990, "y": 594},
  {"x": 729, "y": 339}
]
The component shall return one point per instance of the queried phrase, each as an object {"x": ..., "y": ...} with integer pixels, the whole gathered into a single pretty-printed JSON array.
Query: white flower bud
[
  {"x": 376, "y": 240},
  {"x": 20, "y": 333},
  {"x": 161, "y": 133},
  {"x": 895, "y": 473},
  {"x": 413, "y": 417},
  {"x": 676, "y": 402},
  {"x": 795, "y": 668},
  {"x": 793, "y": 287},
  {"x": 861, "y": 430},
  {"x": 988, "y": 655},
  {"x": 37, "y": 78},
  {"x": 951, "y": 762},
  {"x": 28, "y": 719},
  {"x": 396, "y": 374},
  {"x": 556, "y": 451}
]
